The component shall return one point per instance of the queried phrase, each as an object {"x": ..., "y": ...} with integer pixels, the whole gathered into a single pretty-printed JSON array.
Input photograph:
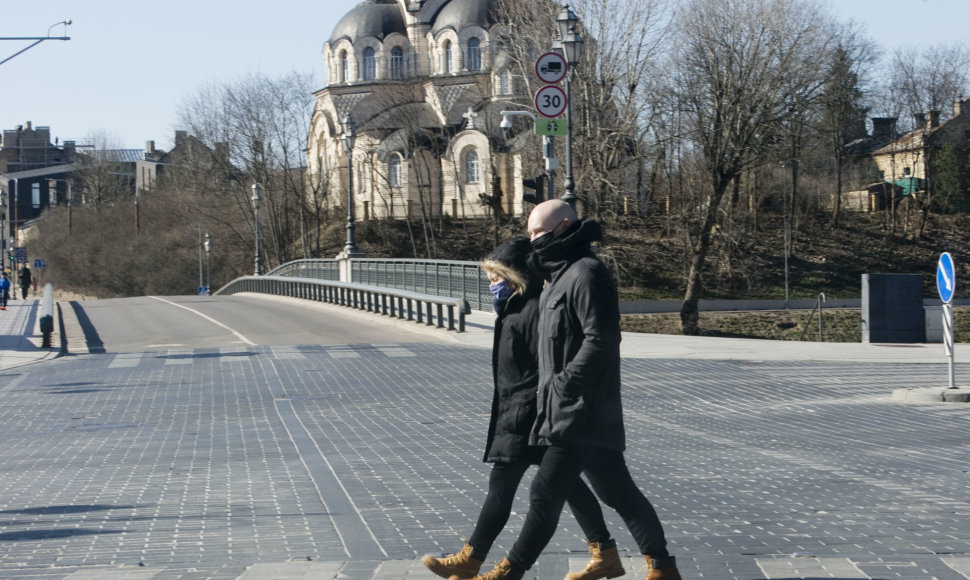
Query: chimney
[
  {"x": 30, "y": 126},
  {"x": 919, "y": 121},
  {"x": 180, "y": 137},
  {"x": 149, "y": 147},
  {"x": 959, "y": 106},
  {"x": 934, "y": 120},
  {"x": 883, "y": 128}
]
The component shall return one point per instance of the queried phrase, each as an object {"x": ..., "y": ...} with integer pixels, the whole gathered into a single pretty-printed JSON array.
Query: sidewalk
[
  {"x": 480, "y": 325},
  {"x": 20, "y": 337}
]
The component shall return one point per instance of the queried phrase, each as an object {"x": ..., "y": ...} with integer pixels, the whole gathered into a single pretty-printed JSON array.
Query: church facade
[{"x": 422, "y": 83}]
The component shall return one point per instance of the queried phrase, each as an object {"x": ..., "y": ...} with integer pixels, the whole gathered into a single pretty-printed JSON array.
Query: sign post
[{"x": 946, "y": 284}]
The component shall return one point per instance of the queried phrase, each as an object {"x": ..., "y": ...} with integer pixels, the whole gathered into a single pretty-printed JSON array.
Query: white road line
[{"x": 209, "y": 318}]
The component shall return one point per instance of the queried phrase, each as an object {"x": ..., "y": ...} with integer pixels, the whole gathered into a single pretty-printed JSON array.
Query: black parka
[
  {"x": 579, "y": 344},
  {"x": 515, "y": 373}
]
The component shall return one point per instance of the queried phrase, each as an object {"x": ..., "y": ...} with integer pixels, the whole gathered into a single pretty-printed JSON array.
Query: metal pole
[
  {"x": 570, "y": 195},
  {"x": 787, "y": 251},
  {"x": 200, "y": 257},
  {"x": 948, "y": 339}
]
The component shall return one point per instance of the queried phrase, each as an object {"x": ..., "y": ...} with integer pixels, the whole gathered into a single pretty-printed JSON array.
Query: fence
[
  {"x": 421, "y": 308},
  {"x": 446, "y": 278}
]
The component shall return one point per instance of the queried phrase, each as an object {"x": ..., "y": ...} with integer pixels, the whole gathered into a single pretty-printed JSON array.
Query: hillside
[{"x": 649, "y": 265}]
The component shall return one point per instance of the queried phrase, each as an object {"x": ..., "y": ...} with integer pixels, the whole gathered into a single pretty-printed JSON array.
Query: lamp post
[
  {"x": 208, "y": 271},
  {"x": 572, "y": 49},
  {"x": 255, "y": 199},
  {"x": 348, "y": 139}
]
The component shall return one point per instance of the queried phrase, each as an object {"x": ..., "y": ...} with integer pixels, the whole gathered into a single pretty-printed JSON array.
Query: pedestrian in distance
[
  {"x": 579, "y": 418},
  {"x": 4, "y": 290},
  {"x": 515, "y": 377},
  {"x": 24, "y": 279}
]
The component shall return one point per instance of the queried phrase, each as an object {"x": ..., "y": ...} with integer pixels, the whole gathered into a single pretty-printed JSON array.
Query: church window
[
  {"x": 344, "y": 67},
  {"x": 471, "y": 166},
  {"x": 504, "y": 84},
  {"x": 394, "y": 170},
  {"x": 474, "y": 54},
  {"x": 397, "y": 63},
  {"x": 370, "y": 66},
  {"x": 446, "y": 64}
]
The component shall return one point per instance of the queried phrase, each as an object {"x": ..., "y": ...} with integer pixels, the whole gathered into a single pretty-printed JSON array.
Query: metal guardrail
[
  {"x": 46, "y": 320},
  {"x": 422, "y": 308},
  {"x": 457, "y": 279},
  {"x": 320, "y": 269},
  {"x": 451, "y": 278}
]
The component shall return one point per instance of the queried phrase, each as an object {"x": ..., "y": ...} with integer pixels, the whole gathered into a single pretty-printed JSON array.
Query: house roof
[{"x": 912, "y": 140}]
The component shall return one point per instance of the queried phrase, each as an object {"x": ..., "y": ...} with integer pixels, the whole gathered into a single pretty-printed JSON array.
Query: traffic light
[{"x": 538, "y": 184}]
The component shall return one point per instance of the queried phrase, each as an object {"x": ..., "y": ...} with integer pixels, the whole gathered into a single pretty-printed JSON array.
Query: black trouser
[
  {"x": 23, "y": 292},
  {"x": 502, "y": 484},
  {"x": 4, "y": 296},
  {"x": 608, "y": 474}
]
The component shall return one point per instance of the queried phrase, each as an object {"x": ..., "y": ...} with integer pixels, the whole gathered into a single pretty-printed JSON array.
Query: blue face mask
[{"x": 501, "y": 291}]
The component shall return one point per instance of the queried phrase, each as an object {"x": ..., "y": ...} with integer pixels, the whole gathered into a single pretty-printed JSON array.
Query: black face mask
[{"x": 543, "y": 241}]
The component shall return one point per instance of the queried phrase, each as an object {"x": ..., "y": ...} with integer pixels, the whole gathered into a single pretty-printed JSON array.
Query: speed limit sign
[{"x": 550, "y": 101}]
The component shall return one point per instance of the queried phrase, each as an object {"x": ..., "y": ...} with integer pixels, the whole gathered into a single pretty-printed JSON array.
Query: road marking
[
  {"x": 395, "y": 351},
  {"x": 179, "y": 357},
  {"x": 290, "y": 353},
  {"x": 125, "y": 360},
  {"x": 209, "y": 318}
]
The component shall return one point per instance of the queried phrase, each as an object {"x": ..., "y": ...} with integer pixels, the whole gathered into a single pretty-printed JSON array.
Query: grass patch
[{"x": 837, "y": 325}]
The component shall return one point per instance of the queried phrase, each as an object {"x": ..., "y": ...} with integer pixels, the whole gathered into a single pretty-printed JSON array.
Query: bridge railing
[
  {"x": 421, "y": 308},
  {"x": 448, "y": 278}
]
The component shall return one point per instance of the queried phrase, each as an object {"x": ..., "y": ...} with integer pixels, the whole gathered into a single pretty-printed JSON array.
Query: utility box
[{"x": 892, "y": 308}]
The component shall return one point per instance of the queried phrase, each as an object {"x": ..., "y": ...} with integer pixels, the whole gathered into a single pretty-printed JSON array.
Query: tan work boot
[
  {"x": 665, "y": 573},
  {"x": 502, "y": 571},
  {"x": 460, "y": 565},
  {"x": 605, "y": 563}
]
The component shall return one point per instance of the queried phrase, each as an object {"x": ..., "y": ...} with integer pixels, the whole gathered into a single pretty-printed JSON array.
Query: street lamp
[
  {"x": 208, "y": 271},
  {"x": 348, "y": 139},
  {"x": 37, "y": 39},
  {"x": 255, "y": 199},
  {"x": 571, "y": 44}
]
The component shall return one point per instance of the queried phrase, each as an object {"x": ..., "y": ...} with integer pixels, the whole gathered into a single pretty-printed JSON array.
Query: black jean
[
  {"x": 504, "y": 481},
  {"x": 607, "y": 472}
]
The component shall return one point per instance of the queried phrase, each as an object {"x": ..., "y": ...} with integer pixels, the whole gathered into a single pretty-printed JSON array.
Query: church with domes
[{"x": 419, "y": 85}]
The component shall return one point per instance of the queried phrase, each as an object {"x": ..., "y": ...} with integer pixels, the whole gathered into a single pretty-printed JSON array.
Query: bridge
[{"x": 264, "y": 435}]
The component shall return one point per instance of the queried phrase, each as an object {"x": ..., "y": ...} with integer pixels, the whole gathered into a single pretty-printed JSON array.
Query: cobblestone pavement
[{"x": 353, "y": 461}]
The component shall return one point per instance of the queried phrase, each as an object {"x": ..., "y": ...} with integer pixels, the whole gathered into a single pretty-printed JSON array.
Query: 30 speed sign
[{"x": 550, "y": 101}]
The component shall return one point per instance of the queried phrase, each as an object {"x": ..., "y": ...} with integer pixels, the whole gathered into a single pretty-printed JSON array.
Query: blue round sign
[{"x": 946, "y": 281}]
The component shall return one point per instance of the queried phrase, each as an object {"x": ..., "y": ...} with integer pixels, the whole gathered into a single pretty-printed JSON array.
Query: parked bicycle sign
[{"x": 550, "y": 101}]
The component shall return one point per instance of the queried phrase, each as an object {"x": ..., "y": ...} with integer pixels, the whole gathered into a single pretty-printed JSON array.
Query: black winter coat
[
  {"x": 579, "y": 344},
  {"x": 515, "y": 373}
]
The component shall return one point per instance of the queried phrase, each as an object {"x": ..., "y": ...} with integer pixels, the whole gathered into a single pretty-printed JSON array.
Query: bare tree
[
  {"x": 263, "y": 124},
  {"x": 738, "y": 68}
]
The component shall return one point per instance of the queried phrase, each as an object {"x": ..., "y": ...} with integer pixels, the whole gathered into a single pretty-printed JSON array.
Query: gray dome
[
  {"x": 459, "y": 14},
  {"x": 377, "y": 18}
]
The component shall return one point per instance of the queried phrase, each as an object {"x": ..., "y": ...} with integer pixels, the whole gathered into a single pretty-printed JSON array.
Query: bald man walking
[{"x": 579, "y": 416}]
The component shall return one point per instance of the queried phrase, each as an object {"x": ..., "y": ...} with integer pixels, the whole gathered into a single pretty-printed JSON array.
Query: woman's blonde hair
[{"x": 515, "y": 278}]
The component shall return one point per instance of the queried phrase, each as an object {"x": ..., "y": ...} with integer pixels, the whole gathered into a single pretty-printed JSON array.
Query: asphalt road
[
  {"x": 160, "y": 322},
  {"x": 216, "y": 458}
]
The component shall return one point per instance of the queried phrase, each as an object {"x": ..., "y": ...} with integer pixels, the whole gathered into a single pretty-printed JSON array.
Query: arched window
[
  {"x": 471, "y": 166},
  {"x": 370, "y": 66},
  {"x": 397, "y": 63},
  {"x": 344, "y": 67},
  {"x": 474, "y": 54},
  {"x": 447, "y": 56},
  {"x": 394, "y": 170}
]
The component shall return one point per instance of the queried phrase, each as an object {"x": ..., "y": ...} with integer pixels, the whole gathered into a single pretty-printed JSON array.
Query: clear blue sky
[{"x": 129, "y": 65}]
